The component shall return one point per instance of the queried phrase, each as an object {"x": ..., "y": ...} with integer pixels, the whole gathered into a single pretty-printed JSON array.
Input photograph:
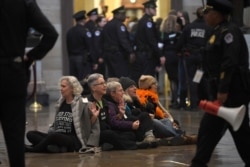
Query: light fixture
[{"x": 132, "y": 1}]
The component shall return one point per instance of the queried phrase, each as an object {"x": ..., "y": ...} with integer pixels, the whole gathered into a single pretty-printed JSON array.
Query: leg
[{"x": 211, "y": 130}]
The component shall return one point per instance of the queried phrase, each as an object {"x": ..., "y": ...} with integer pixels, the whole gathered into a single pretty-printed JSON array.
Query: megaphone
[{"x": 234, "y": 116}]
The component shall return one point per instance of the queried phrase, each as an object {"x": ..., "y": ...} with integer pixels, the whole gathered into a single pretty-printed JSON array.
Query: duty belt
[{"x": 5, "y": 60}]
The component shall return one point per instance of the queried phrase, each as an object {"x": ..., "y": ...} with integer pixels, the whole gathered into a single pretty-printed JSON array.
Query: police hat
[
  {"x": 80, "y": 15},
  {"x": 93, "y": 12},
  {"x": 150, "y": 4},
  {"x": 222, "y": 6},
  {"x": 119, "y": 10}
]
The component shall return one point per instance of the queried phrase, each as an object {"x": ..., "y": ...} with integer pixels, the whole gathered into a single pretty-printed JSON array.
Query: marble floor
[{"x": 225, "y": 154}]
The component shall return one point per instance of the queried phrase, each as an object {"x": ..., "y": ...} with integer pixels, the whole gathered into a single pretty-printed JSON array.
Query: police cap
[
  {"x": 93, "y": 12},
  {"x": 80, "y": 15},
  {"x": 150, "y": 4},
  {"x": 222, "y": 6},
  {"x": 121, "y": 9}
]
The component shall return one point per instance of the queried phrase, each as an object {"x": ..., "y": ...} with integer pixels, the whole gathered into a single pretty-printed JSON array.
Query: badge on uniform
[
  {"x": 97, "y": 33},
  {"x": 228, "y": 38},
  {"x": 123, "y": 28},
  {"x": 198, "y": 76},
  {"x": 88, "y": 34},
  {"x": 212, "y": 39},
  {"x": 149, "y": 24}
]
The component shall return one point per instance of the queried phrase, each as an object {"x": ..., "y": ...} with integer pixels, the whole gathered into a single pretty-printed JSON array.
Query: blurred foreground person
[
  {"x": 226, "y": 58},
  {"x": 16, "y": 17}
]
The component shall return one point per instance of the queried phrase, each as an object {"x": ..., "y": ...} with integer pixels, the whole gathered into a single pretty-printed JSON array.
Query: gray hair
[
  {"x": 93, "y": 78},
  {"x": 112, "y": 86},
  {"x": 74, "y": 83}
]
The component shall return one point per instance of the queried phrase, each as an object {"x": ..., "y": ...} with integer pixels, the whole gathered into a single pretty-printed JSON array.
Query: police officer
[
  {"x": 148, "y": 55},
  {"x": 91, "y": 23},
  {"x": 16, "y": 17},
  {"x": 80, "y": 48},
  {"x": 118, "y": 51},
  {"x": 101, "y": 21},
  {"x": 225, "y": 54},
  {"x": 190, "y": 44}
]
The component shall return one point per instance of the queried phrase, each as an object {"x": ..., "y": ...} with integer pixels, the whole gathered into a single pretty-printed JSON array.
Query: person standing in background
[
  {"x": 118, "y": 50},
  {"x": 189, "y": 46},
  {"x": 225, "y": 60},
  {"x": 13, "y": 67},
  {"x": 79, "y": 47},
  {"x": 91, "y": 23},
  {"x": 148, "y": 56},
  {"x": 101, "y": 21}
]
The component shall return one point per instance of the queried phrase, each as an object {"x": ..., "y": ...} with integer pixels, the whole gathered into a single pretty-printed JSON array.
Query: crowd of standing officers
[{"x": 131, "y": 47}]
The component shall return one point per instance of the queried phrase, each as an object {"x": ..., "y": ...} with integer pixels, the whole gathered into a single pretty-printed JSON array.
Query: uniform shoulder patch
[
  {"x": 229, "y": 38},
  {"x": 88, "y": 34},
  {"x": 149, "y": 24},
  {"x": 123, "y": 29},
  {"x": 97, "y": 33}
]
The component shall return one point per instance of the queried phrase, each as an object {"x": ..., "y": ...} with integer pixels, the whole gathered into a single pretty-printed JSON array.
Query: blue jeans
[{"x": 163, "y": 128}]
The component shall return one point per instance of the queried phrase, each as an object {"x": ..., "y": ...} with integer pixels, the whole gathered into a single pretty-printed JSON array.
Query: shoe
[
  {"x": 142, "y": 145},
  {"x": 149, "y": 139},
  {"x": 28, "y": 148},
  {"x": 90, "y": 150},
  {"x": 172, "y": 141},
  {"x": 56, "y": 149},
  {"x": 191, "y": 139},
  {"x": 107, "y": 147}
]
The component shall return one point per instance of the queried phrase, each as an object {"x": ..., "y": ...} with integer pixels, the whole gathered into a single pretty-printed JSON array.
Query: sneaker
[
  {"x": 149, "y": 139},
  {"x": 28, "y": 148},
  {"x": 190, "y": 139},
  {"x": 90, "y": 150},
  {"x": 172, "y": 141},
  {"x": 142, "y": 145}
]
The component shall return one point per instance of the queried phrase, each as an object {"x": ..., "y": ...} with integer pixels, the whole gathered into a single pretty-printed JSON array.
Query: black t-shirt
[{"x": 64, "y": 120}]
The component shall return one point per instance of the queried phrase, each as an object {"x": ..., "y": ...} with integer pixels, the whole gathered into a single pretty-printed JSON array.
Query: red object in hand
[{"x": 210, "y": 107}]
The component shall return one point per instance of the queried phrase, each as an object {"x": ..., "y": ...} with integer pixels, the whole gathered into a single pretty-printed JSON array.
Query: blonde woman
[{"x": 170, "y": 32}]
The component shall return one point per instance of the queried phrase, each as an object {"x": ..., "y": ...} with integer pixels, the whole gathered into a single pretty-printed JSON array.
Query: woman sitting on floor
[{"x": 73, "y": 128}]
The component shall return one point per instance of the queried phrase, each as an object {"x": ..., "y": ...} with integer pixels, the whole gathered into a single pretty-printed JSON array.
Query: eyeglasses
[{"x": 101, "y": 83}]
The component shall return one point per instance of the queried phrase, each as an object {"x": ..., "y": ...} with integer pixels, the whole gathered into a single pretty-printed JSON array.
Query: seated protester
[
  {"x": 109, "y": 139},
  {"x": 118, "y": 120},
  {"x": 164, "y": 125},
  {"x": 74, "y": 129}
]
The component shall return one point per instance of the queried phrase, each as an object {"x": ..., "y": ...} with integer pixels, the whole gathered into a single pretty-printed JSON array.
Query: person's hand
[
  {"x": 100, "y": 60},
  {"x": 95, "y": 66},
  {"x": 132, "y": 58},
  {"x": 136, "y": 125},
  {"x": 152, "y": 116},
  {"x": 222, "y": 97},
  {"x": 162, "y": 60},
  {"x": 94, "y": 109}
]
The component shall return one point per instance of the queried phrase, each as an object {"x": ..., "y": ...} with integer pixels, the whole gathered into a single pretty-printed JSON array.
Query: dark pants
[
  {"x": 13, "y": 88},
  {"x": 40, "y": 141},
  {"x": 144, "y": 64},
  {"x": 212, "y": 128},
  {"x": 78, "y": 67},
  {"x": 117, "y": 64},
  {"x": 120, "y": 140}
]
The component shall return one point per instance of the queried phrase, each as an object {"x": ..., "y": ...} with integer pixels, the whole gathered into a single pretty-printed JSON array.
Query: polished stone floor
[{"x": 225, "y": 154}]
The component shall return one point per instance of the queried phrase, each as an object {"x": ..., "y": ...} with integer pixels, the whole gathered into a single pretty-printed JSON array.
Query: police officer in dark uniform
[
  {"x": 80, "y": 48},
  {"x": 101, "y": 21},
  {"x": 190, "y": 44},
  {"x": 118, "y": 51},
  {"x": 16, "y": 17},
  {"x": 148, "y": 55},
  {"x": 91, "y": 23},
  {"x": 226, "y": 54}
]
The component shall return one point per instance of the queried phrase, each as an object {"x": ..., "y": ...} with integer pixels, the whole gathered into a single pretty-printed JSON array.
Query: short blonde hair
[
  {"x": 74, "y": 83},
  {"x": 112, "y": 86}
]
